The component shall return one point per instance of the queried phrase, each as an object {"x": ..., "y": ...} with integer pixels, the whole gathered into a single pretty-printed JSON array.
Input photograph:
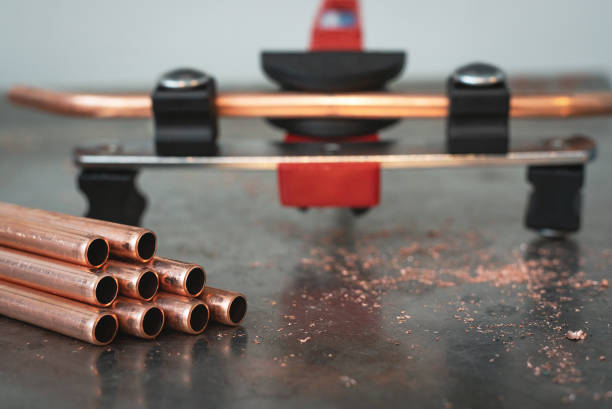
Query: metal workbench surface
[{"x": 438, "y": 298}]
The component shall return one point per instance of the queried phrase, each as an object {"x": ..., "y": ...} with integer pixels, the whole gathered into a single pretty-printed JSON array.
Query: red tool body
[{"x": 336, "y": 184}]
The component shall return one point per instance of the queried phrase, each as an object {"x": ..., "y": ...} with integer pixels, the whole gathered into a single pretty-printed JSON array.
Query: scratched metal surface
[{"x": 438, "y": 298}]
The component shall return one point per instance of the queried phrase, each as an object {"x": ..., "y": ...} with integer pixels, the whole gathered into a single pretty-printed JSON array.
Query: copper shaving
[{"x": 576, "y": 335}]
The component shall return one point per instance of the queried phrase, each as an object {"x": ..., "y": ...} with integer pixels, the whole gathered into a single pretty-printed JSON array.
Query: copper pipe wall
[
  {"x": 135, "y": 281},
  {"x": 63, "y": 244},
  {"x": 71, "y": 318},
  {"x": 183, "y": 314},
  {"x": 125, "y": 241},
  {"x": 294, "y": 105},
  {"x": 226, "y": 307},
  {"x": 80, "y": 283},
  {"x": 177, "y": 277},
  {"x": 138, "y": 318}
]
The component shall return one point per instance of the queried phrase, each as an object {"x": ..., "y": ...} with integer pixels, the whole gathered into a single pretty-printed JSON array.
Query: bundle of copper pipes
[{"x": 88, "y": 279}]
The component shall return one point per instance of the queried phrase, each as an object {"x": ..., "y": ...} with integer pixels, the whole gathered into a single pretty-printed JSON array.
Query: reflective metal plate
[{"x": 390, "y": 155}]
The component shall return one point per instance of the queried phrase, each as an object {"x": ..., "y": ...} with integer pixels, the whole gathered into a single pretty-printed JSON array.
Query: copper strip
[
  {"x": 177, "y": 277},
  {"x": 125, "y": 241},
  {"x": 63, "y": 244},
  {"x": 138, "y": 318},
  {"x": 80, "y": 283},
  {"x": 226, "y": 307},
  {"x": 135, "y": 281},
  {"x": 294, "y": 105},
  {"x": 71, "y": 318},
  {"x": 189, "y": 315}
]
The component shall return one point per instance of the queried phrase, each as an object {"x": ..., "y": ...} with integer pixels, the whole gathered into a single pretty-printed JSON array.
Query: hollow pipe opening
[
  {"x": 199, "y": 317},
  {"x": 146, "y": 246},
  {"x": 106, "y": 290},
  {"x": 97, "y": 252},
  {"x": 238, "y": 309},
  {"x": 148, "y": 285},
  {"x": 153, "y": 321},
  {"x": 106, "y": 329},
  {"x": 195, "y": 281}
]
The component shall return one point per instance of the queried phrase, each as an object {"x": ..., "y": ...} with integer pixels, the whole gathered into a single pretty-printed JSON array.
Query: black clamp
[
  {"x": 112, "y": 195},
  {"x": 554, "y": 205},
  {"x": 185, "y": 114},
  {"x": 479, "y": 102}
]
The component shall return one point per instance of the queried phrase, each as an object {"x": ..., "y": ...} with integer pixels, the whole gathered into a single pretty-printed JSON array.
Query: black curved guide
[{"x": 332, "y": 71}]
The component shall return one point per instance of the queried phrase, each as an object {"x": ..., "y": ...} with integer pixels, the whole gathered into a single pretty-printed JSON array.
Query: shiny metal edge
[{"x": 575, "y": 150}]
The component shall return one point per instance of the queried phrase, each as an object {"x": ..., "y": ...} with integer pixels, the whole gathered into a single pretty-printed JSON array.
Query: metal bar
[
  {"x": 574, "y": 150},
  {"x": 294, "y": 105}
]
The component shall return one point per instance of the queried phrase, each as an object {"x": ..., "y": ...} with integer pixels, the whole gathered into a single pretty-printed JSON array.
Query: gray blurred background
[{"x": 117, "y": 44}]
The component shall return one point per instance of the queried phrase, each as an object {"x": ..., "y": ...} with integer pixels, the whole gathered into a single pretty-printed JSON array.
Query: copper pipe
[
  {"x": 138, "y": 318},
  {"x": 80, "y": 283},
  {"x": 294, "y": 105},
  {"x": 71, "y": 318},
  {"x": 183, "y": 314},
  {"x": 124, "y": 241},
  {"x": 177, "y": 277},
  {"x": 226, "y": 307},
  {"x": 63, "y": 244},
  {"x": 135, "y": 281}
]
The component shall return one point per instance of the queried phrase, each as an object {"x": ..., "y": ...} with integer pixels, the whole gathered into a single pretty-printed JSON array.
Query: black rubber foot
[
  {"x": 554, "y": 206},
  {"x": 112, "y": 195}
]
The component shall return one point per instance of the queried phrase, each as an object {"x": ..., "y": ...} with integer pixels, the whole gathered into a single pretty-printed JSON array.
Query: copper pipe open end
[
  {"x": 152, "y": 322},
  {"x": 97, "y": 252},
  {"x": 138, "y": 318},
  {"x": 135, "y": 280},
  {"x": 105, "y": 329},
  {"x": 226, "y": 307},
  {"x": 106, "y": 290},
  {"x": 185, "y": 314},
  {"x": 186, "y": 279},
  {"x": 198, "y": 318},
  {"x": 194, "y": 281},
  {"x": 146, "y": 246},
  {"x": 238, "y": 310},
  {"x": 148, "y": 284}
]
